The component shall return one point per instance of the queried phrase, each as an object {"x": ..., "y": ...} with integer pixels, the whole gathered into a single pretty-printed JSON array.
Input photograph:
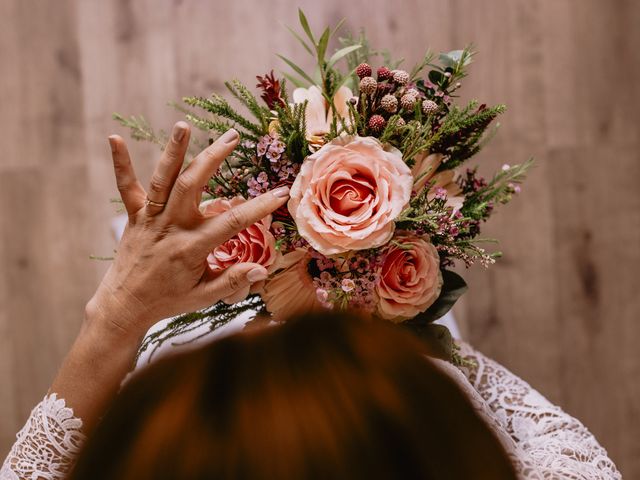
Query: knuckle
[
  {"x": 232, "y": 281},
  {"x": 234, "y": 220},
  {"x": 172, "y": 152},
  {"x": 158, "y": 184},
  {"x": 123, "y": 184},
  {"x": 184, "y": 183},
  {"x": 212, "y": 152}
]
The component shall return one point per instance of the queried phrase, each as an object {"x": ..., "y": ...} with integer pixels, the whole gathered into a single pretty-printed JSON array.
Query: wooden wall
[{"x": 561, "y": 308}]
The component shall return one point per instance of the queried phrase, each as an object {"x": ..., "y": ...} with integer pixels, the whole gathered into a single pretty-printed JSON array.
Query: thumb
[{"x": 234, "y": 279}]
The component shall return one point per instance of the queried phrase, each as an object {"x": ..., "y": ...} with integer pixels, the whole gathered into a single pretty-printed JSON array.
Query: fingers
[
  {"x": 131, "y": 191},
  {"x": 233, "y": 284},
  {"x": 238, "y": 296},
  {"x": 188, "y": 186},
  {"x": 217, "y": 230},
  {"x": 168, "y": 168}
]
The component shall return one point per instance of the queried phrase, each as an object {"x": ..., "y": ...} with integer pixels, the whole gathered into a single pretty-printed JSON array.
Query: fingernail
[
  {"x": 229, "y": 136},
  {"x": 280, "y": 192},
  {"x": 113, "y": 144},
  {"x": 257, "y": 274},
  {"x": 179, "y": 129}
]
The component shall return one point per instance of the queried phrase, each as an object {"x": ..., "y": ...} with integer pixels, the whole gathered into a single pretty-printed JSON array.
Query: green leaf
[
  {"x": 435, "y": 77},
  {"x": 305, "y": 26},
  {"x": 297, "y": 69},
  {"x": 438, "y": 339},
  {"x": 300, "y": 39},
  {"x": 452, "y": 288},
  {"x": 450, "y": 59},
  {"x": 322, "y": 45},
  {"x": 337, "y": 27},
  {"x": 294, "y": 80},
  {"x": 342, "y": 53},
  {"x": 344, "y": 80}
]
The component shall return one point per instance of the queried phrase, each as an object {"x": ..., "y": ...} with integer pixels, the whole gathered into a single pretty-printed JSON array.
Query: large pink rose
[
  {"x": 255, "y": 244},
  {"x": 348, "y": 194},
  {"x": 410, "y": 280}
]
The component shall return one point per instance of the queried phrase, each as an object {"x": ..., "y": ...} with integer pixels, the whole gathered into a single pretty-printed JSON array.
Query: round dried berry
[
  {"x": 429, "y": 107},
  {"x": 384, "y": 74},
  {"x": 400, "y": 77},
  {"x": 408, "y": 102},
  {"x": 389, "y": 103},
  {"x": 363, "y": 70},
  {"x": 412, "y": 92},
  {"x": 368, "y": 85},
  {"x": 377, "y": 123}
]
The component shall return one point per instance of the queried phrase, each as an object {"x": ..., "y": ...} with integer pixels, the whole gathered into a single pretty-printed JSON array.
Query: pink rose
[
  {"x": 410, "y": 279},
  {"x": 255, "y": 244},
  {"x": 348, "y": 194}
]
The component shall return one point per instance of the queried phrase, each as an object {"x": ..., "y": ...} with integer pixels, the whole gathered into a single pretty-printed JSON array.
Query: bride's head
[{"x": 326, "y": 396}]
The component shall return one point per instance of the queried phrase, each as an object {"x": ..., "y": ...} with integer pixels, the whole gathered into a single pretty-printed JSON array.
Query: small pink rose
[
  {"x": 410, "y": 279},
  {"x": 348, "y": 194},
  {"x": 255, "y": 244}
]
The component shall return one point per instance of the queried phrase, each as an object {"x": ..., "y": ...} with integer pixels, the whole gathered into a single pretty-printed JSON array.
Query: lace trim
[
  {"x": 48, "y": 444},
  {"x": 548, "y": 442}
]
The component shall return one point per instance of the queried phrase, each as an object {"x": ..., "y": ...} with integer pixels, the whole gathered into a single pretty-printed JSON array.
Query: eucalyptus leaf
[
  {"x": 342, "y": 53},
  {"x": 438, "y": 339},
  {"x": 297, "y": 69},
  {"x": 296, "y": 81},
  {"x": 452, "y": 288},
  {"x": 450, "y": 59},
  {"x": 305, "y": 26},
  {"x": 435, "y": 77},
  {"x": 338, "y": 27},
  {"x": 345, "y": 79},
  {"x": 300, "y": 39},
  {"x": 317, "y": 76},
  {"x": 322, "y": 45}
]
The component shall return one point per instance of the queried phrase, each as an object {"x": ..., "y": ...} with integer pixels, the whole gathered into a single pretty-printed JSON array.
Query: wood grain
[{"x": 560, "y": 308}]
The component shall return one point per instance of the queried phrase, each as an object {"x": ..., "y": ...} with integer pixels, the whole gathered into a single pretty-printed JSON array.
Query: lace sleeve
[
  {"x": 47, "y": 445},
  {"x": 558, "y": 444}
]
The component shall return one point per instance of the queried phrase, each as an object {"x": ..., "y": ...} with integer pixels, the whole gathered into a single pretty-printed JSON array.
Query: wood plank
[{"x": 559, "y": 308}]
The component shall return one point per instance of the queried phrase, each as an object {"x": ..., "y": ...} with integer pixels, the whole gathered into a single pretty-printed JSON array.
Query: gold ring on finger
[{"x": 148, "y": 202}]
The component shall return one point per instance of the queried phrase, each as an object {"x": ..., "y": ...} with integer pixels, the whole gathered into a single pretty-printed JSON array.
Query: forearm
[{"x": 94, "y": 368}]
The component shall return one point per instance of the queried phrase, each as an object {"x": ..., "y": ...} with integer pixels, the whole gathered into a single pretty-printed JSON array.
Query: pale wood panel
[{"x": 560, "y": 308}]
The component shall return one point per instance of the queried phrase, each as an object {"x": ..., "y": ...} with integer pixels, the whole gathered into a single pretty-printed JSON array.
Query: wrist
[{"x": 113, "y": 321}]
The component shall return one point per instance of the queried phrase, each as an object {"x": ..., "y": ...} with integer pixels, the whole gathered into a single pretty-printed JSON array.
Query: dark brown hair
[{"x": 322, "y": 396}]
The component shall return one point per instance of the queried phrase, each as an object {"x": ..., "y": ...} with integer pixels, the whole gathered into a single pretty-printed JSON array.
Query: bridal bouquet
[{"x": 381, "y": 205}]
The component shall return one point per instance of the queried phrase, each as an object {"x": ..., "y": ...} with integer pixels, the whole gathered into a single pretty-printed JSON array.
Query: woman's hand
[{"x": 160, "y": 268}]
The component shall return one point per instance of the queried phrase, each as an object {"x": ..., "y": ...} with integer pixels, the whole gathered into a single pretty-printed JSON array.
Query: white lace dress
[{"x": 542, "y": 440}]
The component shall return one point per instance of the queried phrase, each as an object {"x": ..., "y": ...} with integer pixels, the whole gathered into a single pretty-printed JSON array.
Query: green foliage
[
  {"x": 219, "y": 107},
  {"x": 213, "y": 317},
  {"x": 329, "y": 78},
  {"x": 292, "y": 130},
  {"x": 141, "y": 130},
  {"x": 242, "y": 93},
  {"x": 461, "y": 133},
  {"x": 498, "y": 190},
  {"x": 453, "y": 287}
]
